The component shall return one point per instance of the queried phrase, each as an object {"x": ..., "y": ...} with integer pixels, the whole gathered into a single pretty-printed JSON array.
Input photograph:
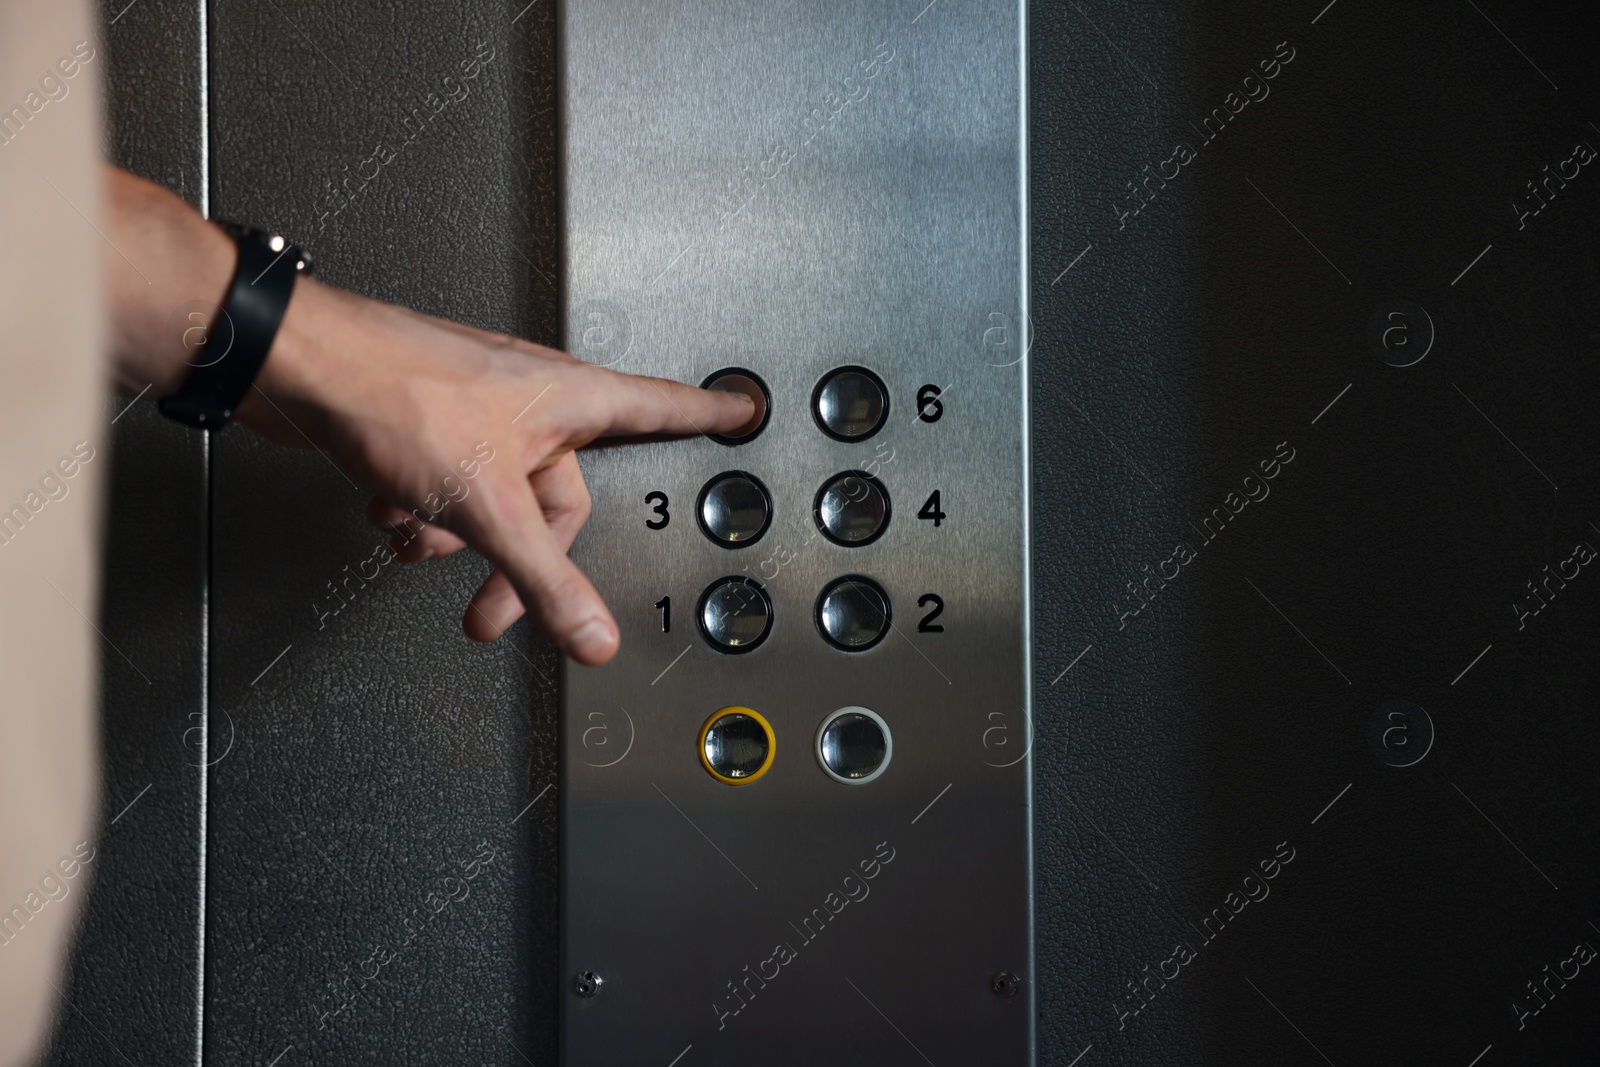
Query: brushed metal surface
[{"x": 791, "y": 189}]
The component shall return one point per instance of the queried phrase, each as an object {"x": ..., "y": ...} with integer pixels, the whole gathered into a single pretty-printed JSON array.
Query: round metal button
[
  {"x": 735, "y": 509},
  {"x": 737, "y": 745},
  {"x": 850, "y": 403},
  {"x": 852, "y": 508},
  {"x": 853, "y": 745},
  {"x": 735, "y": 614},
  {"x": 738, "y": 380},
  {"x": 853, "y": 613}
]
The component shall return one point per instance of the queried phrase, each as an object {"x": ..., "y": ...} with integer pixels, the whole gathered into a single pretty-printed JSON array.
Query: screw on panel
[
  {"x": 587, "y": 983},
  {"x": 1005, "y": 984}
]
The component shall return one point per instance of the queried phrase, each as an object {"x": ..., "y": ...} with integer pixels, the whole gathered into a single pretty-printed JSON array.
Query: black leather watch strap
[{"x": 242, "y": 331}]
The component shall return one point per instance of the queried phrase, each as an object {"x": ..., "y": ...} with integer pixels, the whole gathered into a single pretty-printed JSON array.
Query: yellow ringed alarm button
[{"x": 737, "y": 745}]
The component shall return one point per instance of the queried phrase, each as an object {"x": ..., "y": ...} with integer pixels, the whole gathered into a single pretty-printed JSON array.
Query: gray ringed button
[
  {"x": 853, "y": 613},
  {"x": 852, "y": 509},
  {"x": 735, "y": 614},
  {"x": 850, "y": 403},
  {"x": 854, "y": 745},
  {"x": 734, "y": 509}
]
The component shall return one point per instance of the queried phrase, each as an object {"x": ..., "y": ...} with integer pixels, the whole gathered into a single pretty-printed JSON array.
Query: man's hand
[{"x": 403, "y": 402}]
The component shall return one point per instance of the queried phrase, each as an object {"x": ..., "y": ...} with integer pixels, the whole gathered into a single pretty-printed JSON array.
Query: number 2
[
  {"x": 927, "y": 625},
  {"x": 659, "y": 499}
]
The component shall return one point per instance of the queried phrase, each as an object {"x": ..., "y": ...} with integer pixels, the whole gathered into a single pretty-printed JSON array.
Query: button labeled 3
[{"x": 735, "y": 509}]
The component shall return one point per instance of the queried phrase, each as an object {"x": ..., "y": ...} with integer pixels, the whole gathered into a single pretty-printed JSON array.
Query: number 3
[{"x": 659, "y": 499}]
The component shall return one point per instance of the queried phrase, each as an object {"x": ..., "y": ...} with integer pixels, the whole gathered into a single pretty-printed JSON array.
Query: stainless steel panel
[{"x": 789, "y": 189}]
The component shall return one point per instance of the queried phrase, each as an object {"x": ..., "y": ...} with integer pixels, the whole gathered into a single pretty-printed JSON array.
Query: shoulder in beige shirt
[{"x": 53, "y": 444}]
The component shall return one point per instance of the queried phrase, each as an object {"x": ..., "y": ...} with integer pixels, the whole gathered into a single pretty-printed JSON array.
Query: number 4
[{"x": 930, "y": 510}]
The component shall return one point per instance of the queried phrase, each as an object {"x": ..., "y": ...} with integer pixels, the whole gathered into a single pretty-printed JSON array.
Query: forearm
[
  {"x": 409, "y": 406},
  {"x": 167, "y": 270}
]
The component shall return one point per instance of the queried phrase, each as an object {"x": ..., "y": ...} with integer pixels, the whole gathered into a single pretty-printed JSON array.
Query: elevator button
[
  {"x": 735, "y": 614},
  {"x": 735, "y": 509},
  {"x": 737, "y": 745},
  {"x": 853, "y": 745},
  {"x": 852, "y": 508},
  {"x": 853, "y": 613},
  {"x": 850, "y": 403},
  {"x": 736, "y": 380}
]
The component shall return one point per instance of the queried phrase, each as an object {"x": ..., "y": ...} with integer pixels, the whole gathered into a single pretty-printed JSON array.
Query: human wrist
[
  {"x": 289, "y": 399},
  {"x": 186, "y": 264}
]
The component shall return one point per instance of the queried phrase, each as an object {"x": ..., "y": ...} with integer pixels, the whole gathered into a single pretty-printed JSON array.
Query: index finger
[{"x": 637, "y": 405}]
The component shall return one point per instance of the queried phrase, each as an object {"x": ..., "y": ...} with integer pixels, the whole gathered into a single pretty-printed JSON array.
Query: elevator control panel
[{"x": 795, "y": 809}]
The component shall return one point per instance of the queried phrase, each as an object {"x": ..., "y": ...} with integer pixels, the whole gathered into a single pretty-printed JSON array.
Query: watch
[{"x": 243, "y": 330}]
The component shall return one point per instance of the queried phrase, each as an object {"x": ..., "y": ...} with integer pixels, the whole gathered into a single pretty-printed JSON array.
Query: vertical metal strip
[
  {"x": 205, "y": 581},
  {"x": 1024, "y": 366}
]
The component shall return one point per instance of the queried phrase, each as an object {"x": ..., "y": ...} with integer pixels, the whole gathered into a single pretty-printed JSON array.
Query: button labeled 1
[{"x": 735, "y": 614}]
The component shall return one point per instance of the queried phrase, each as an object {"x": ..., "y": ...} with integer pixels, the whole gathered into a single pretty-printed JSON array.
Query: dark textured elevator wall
[
  {"x": 1189, "y": 729},
  {"x": 1219, "y": 317},
  {"x": 384, "y": 748}
]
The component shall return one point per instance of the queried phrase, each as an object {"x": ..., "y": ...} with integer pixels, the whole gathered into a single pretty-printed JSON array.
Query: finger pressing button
[
  {"x": 852, "y": 508},
  {"x": 737, "y": 380},
  {"x": 853, "y": 613},
  {"x": 735, "y": 614}
]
